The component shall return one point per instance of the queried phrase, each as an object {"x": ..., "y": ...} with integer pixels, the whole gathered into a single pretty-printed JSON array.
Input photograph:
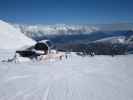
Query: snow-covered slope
[
  {"x": 78, "y": 78},
  {"x": 130, "y": 39},
  {"x": 118, "y": 39},
  {"x": 11, "y": 37}
]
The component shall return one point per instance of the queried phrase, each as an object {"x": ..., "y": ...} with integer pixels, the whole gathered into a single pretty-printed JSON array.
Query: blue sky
[{"x": 66, "y": 11}]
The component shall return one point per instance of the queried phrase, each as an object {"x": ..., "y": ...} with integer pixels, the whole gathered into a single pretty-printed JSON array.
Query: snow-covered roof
[{"x": 47, "y": 42}]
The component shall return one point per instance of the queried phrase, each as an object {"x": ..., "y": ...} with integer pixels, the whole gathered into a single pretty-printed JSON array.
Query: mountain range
[
  {"x": 62, "y": 33},
  {"x": 65, "y": 36},
  {"x": 79, "y": 38}
]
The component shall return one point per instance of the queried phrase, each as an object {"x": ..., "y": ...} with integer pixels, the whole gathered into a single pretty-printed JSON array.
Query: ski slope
[
  {"x": 12, "y": 38},
  {"x": 75, "y": 78}
]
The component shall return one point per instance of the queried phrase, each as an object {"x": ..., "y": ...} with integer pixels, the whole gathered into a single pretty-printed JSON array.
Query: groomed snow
[
  {"x": 11, "y": 37},
  {"x": 77, "y": 78}
]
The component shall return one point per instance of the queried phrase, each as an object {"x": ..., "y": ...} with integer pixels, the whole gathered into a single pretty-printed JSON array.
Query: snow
[
  {"x": 57, "y": 29},
  {"x": 11, "y": 37},
  {"x": 69, "y": 29},
  {"x": 115, "y": 39},
  {"x": 75, "y": 78}
]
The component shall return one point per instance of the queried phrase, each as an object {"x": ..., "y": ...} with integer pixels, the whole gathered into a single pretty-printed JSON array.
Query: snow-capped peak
[{"x": 57, "y": 29}]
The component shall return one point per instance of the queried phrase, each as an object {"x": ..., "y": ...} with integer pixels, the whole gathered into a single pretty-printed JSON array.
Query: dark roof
[
  {"x": 41, "y": 46},
  {"x": 47, "y": 42}
]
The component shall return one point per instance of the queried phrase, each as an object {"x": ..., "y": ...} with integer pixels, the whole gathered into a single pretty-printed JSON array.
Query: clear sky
[{"x": 66, "y": 11}]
